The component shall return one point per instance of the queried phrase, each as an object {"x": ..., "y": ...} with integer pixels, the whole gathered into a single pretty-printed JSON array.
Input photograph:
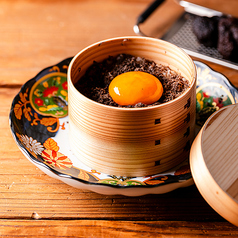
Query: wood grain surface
[
  {"x": 41, "y": 33},
  {"x": 116, "y": 229},
  {"x": 218, "y": 180}
]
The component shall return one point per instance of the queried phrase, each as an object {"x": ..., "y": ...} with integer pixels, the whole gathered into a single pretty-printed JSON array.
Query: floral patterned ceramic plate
[{"x": 39, "y": 124}]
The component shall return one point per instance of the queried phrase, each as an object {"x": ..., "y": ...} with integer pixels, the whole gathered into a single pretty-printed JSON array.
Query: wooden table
[{"x": 37, "y": 34}]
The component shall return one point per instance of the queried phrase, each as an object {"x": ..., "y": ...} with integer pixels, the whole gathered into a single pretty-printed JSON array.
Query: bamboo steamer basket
[
  {"x": 214, "y": 162},
  {"x": 132, "y": 141}
]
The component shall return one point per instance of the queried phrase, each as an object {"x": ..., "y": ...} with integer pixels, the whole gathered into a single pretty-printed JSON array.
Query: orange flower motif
[
  {"x": 22, "y": 104},
  {"x": 156, "y": 180},
  {"x": 83, "y": 175},
  {"x": 18, "y": 111},
  {"x": 48, "y": 121},
  {"x": 50, "y": 144},
  {"x": 183, "y": 170},
  {"x": 56, "y": 159},
  {"x": 95, "y": 171},
  {"x": 27, "y": 113},
  {"x": 23, "y": 96}
]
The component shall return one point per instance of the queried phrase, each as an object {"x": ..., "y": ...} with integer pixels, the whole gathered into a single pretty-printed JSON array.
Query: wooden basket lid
[{"x": 214, "y": 162}]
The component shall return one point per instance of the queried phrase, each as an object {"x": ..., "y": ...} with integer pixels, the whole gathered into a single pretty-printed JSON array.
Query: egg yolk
[{"x": 135, "y": 87}]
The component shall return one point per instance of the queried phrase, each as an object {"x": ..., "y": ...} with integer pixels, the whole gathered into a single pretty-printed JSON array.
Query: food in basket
[
  {"x": 141, "y": 81},
  {"x": 138, "y": 139}
]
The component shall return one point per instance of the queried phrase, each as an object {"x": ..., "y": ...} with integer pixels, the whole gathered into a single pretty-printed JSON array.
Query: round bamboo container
[
  {"x": 132, "y": 141},
  {"x": 214, "y": 162}
]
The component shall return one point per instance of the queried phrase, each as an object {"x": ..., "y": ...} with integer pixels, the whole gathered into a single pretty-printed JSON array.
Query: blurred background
[{"x": 37, "y": 34}]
